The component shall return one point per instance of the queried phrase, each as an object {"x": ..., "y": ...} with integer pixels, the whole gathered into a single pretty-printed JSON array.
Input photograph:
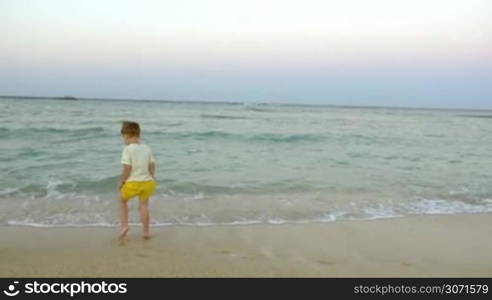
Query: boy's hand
[{"x": 125, "y": 173}]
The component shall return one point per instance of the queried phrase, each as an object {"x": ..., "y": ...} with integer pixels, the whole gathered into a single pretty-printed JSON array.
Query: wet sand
[{"x": 420, "y": 246}]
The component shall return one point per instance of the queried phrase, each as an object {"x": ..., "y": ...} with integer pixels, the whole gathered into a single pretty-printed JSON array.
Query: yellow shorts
[{"x": 142, "y": 189}]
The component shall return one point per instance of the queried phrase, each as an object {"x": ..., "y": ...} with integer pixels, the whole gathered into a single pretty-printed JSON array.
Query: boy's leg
[
  {"x": 143, "y": 207},
  {"x": 123, "y": 217}
]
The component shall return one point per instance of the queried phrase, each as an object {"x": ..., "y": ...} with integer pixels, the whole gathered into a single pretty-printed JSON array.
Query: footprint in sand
[
  {"x": 267, "y": 252},
  {"x": 228, "y": 252},
  {"x": 324, "y": 262}
]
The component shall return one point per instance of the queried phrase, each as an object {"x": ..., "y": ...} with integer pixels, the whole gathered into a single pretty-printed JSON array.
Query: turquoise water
[{"x": 220, "y": 163}]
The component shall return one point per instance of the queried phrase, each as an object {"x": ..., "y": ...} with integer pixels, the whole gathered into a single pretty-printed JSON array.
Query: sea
[{"x": 242, "y": 163}]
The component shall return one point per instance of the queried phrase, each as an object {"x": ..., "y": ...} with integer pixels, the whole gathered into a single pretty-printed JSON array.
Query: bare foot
[
  {"x": 123, "y": 231},
  {"x": 146, "y": 235}
]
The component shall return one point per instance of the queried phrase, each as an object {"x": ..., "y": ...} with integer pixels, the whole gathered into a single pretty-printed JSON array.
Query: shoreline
[{"x": 415, "y": 246}]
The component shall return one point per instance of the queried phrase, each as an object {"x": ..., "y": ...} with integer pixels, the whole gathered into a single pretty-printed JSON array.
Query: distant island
[{"x": 40, "y": 97}]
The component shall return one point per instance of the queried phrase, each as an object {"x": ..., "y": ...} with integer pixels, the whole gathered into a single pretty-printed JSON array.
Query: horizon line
[{"x": 194, "y": 101}]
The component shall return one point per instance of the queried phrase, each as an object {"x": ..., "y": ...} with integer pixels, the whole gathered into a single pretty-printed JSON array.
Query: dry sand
[{"x": 420, "y": 246}]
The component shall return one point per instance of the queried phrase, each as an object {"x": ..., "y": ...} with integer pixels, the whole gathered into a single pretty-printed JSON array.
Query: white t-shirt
[{"x": 138, "y": 156}]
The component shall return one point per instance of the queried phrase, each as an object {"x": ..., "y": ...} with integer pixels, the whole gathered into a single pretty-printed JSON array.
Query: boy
[{"x": 137, "y": 176}]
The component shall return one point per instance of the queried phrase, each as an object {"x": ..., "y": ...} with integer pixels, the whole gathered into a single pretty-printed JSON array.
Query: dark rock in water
[{"x": 68, "y": 98}]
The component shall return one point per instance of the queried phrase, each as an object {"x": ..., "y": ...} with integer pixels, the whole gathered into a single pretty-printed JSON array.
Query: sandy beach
[{"x": 420, "y": 246}]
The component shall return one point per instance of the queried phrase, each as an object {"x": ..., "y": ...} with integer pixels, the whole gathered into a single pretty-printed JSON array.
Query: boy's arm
[
  {"x": 152, "y": 169},
  {"x": 125, "y": 173}
]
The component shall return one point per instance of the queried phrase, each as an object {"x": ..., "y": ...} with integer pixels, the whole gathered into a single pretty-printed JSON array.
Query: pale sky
[{"x": 417, "y": 53}]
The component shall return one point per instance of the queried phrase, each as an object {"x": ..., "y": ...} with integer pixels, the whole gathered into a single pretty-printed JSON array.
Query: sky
[{"x": 419, "y": 53}]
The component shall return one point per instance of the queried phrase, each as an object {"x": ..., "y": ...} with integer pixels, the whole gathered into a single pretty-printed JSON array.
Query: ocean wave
[
  {"x": 476, "y": 116},
  {"x": 210, "y": 116},
  {"x": 64, "y": 135},
  {"x": 76, "y": 217},
  {"x": 272, "y": 137},
  {"x": 258, "y": 107},
  {"x": 245, "y": 137},
  {"x": 62, "y": 188},
  {"x": 8, "y": 191},
  {"x": 193, "y": 188},
  {"x": 66, "y": 187},
  {"x": 4, "y": 131}
]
